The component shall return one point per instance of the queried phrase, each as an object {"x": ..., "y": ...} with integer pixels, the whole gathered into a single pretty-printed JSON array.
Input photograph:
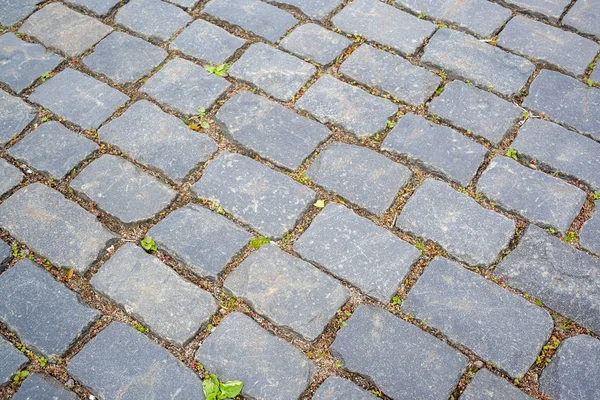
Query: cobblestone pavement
[{"x": 323, "y": 199}]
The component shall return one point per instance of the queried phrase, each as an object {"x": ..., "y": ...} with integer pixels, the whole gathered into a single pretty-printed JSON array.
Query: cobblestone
[
  {"x": 15, "y": 116},
  {"x": 10, "y": 177},
  {"x": 38, "y": 386},
  {"x": 5, "y": 253},
  {"x": 590, "y": 232},
  {"x": 315, "y": 9},
  {"x": 583, "y": 16},
  {"x": 12, "y": 12},
  {"x": 12, "y": 361},
  {"x": 152, "y": 18},
  {"x": 549, "y": 9},
  {"x": 100, "y": 7},
  {"x": 487, "y": 386},
  {"x": 311, "y": 41},
  {"x": 335, "y": 388}
]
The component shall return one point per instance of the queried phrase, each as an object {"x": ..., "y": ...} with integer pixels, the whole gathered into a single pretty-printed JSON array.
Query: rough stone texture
[
  {"x": 12, "y": 11},
  {"x": 573, "y": 372},
  {"x": 270, "y": 367},
  {"x": 10, "y": 177},
  {"x": 390, "y": 73},
  {"x": 123, "y": 190},
  {"x": 15, "y": 116},
  {"x": 401, "y": 359},
  {"x": 268, "y": 201},
  {"x": 158, "y": 140},
  {"x": 495, "y": 324},
  {"x": 551, "y": 9},
  {"x": 566, "y": 101},
  {"x": 279, "y": 74},
  {"x": 360, "y": 175},
  {"x": 152, "y": 18},
  {"x": 154, "y": 294},
  {"x": 5, "y": 253},
  {"x": 78, "y": 98},
  {"x": 476, "y": 110},
  {"x": 11, "y": 361},
  {"x": 464, "y": 57},
  {"x": 385, "y": 24},
  {"x": 549, "y": 45},
  {"x": 332, "y": 101},
  {"x": 100, "y": 7},
  {"x": 53, "y": 150},
  {"x": 42, "y": 387},
  {"x": 436, "y": 148},
  {"x": 487, "y": 386},
  {"x": 456, "y": 222},
  {"x": 22, "y": 62},
  {"x": 316, "y": 43},
  {"x": 206, "y": 41},
  {"x": 565, "y": 279},
  {"x": 46, "y": 316},
  {"x": 590, "y": 232},
  {"x": 335, "y": 388},
  {"x": 595, "y": 75},
  {"x": 271, "y": 130},
  {"x": 358, "y": 251},
  {"x": 123, "y": 363},
  {"x": 59, "y": 27},
  {"x": 54, "y": 227},
  {"x": 255, "y": 16},
  {"x": 584, "y": 16},
  {"x": 188, "y": 4},
  {"x": 315, "y": 9}
]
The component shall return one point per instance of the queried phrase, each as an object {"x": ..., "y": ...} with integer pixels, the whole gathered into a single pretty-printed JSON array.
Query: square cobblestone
[
  {"x": 38, "y": 386},
  {"x": 335, "y": 388},
  {"x": 584, "y": 16},
  {"x": 15, "y": 116},
  {"x": 487, "y": 386},
  {"x": 11, "y": 361},
  {"x": 311, "y": 41},
  {"x": 155, "y": 19},
  {"x": 551, "y": 9},
  {"x": 590, "y": 232},
  {"x": 315, "y": 9},
  {"x": 100, "y": 7},
  {"x": 5, "y": 253},
  {"x": 12, "y": 11},
  {"x": 10, "y": 177}
]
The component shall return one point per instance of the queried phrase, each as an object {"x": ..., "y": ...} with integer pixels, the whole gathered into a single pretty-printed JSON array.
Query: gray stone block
[
  {"x": 268, "y": 201},
  {"x": 42, "y": 387},
  {"x": 584, "y": 16},
  {"x": 595, "y": 75},
  {"x": 487, "y": 386},
  {"x": 551, "y": 9},
  {"x": 315, "y": 43},
  {"x": 436, "y": 148},
  {"x": 152, "y": 18},
  {"x": 332, "y": 101},
  {"x": 10, "y": 177},
  {"x": 100, "y": 7},
  {"x": 46, "y": 316},
  {"x": 5, "y": 253},
  {"x": 315, "y": 9},
  {"x": 11, "y": 361},
  {"x": 495, "y": 324},
  {"x": 54, "y": 227},
  {"x": 15, "y": 116},
  {"x": 456, "y": 222},
  {"x": 12, "y": 11},
  {"x": 401, "y": 359},
  {"x": 358, "y": 251},
  {"x": 270, "y": 367},
  {"x": 335, "y": 388},
  {"x": 589, "y": 236}
]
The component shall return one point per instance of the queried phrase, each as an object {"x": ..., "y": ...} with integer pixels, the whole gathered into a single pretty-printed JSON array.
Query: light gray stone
[
  {"x": 584, "y": 16},
  {"x": 12, "y": 11},
  {"x": 316, "y": 43},
  {"x": 185, "y": 3},
  {"x": 11, "y": 361},
  {"x": 551, "y": 9},
  {"x": 152, "y": 18},
  {"x": 10, "y": 177},
  {"x": 589, "y": 236},
  {"x": 100, "y": 7},
  {"x": 487, "y": 386},
  {"x": 15, "y": 116},
  {"x": 42, "y": 387},
  {"x": 595, "y": 75},
  {"x": 5, "y": 253},
  {"x": 335, "y": 388},
  {"x": 315, "y": 9}
]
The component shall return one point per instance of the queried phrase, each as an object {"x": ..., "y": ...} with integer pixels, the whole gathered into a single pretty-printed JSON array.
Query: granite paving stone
[
  {"x": 158, "y": 140},
  {"x": 10, "y": 177},
  {"x": 464, "y": 57},
  {"x": 551, "y": 9},
  {"x": 43, "y": 387},
  {"x": 59, "y": 27},
  {"x": 475, "y": 110},
  {"x": 154, "y": 294},
  {"x": 584, "y": 16},
  {"x": 390, "y": 73},
  {"x": 315, "y": 9},
  {"x": 589, "y": 236},
  {"x": 100, "y": 7},
  {"x": 53, "y": 150},
  {"x": 279, "y": 74},
  {"x": 11, "y": 361},
  {"x": 123, "y": 190},
  {"x": 437, "y": 148},
  {"x": 273, "y": 131},
  {"x": 268, "y": 201},
  {"x": 487, "y": 386},
  {"x": 154, "y": 19},
  {"x": 12, "y": 11},
  {"x": 497, "y": 325},
  {"x": 563, "y": 278},
  {"x": 46, "y": 316},
  {"x": 15, "y": 116},
  {"x": 595, "y": 75},
  {"x": 360, "y": 175},
  {"x": 5, "y": 253},
  {"x": 260, "y": 18},
  {"x": 54, "y": 227},
  {"x": 22, "y": 62},
  {"x": 311, "y": 41},
  {"x": 456, "y": 222},
  {"x": 332, "y": 101},
  {"x": 188, "y": 4},
  {"x": 335, "y": 388},
  {"x": 287, "y": 290},
  {"x": 358, "y": 251},
  {"x": 385, "y": 24},
  {"x": 401, "y": 359},
  {"x": 123, "y": 363}
]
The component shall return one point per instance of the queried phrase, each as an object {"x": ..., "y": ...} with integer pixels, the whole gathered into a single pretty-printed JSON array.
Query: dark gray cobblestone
[
  {"x": 551, "y": 9},
  {"x": 12, "y": 360},
  {"x": 487, "y": 386},
  {"x": 12, "y": 11},
  {"x": 38, "y": 386},
  {"x": 100, "y": 7},
  {"x": 315, "y": 43},
  {"x": 15, "y": 116},
  {"x": 5, "y": 253},
  {"x": 590, "y": 232},
  {"x": 10, "y": 177},
  {"x": 583, "y": 16},
  {"x": 335, "y": 388},
  {"x": 155, "y": 19},
  {"x": 316, "y": 9}
]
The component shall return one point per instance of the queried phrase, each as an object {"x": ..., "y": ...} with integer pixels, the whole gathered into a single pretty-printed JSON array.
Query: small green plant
[
  {"x": 422, "y": 15},
  {"x": 220, "y": 70},
  {"x": 43, "y": 362},
  {"x": 199, "y": 120},
  {"x": 596, "y": 195},
  {"x": 257, "y": 243},
  {"x": 590, "y": 82},
  {"x": 396, "y": 300},
  {"x": 420, "y": 246},
  {"x": 217, "y": 390},
  {"x": 320, "y": 204},
  {"x": 570, "y": 237},
  {"x": 45, "y": 76},
  {"x": 469, "y": 83},
  {"x": 512, "y": 153},
  {"x": 20, "y": 376},
  {"x": 390, "y": 124},
  {"x": 551, "y": 231},
  {"x": 148, "y": 244},
  {"x": 439, "y": 91},
  {"x": 44, "y": 119},
  {"x": 538, "y": 303},
  {"x": 140, "y": 328}
]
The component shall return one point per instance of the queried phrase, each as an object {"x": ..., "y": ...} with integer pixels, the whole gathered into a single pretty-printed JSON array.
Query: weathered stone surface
[
  {"x": 46, "y": 316},
  {"x": 566, "y": 101},
  {"x": 565, "y": 279},
  {"x": 335, "y": 388},
  {"x": 358, "y": 251},
  {"x": 122, "y": 363},
  {"x": 154, "y": 294},
  {"x": 15, "y": 116},
  {"x": 436, "y": 148},
  {"x": 584, "y": 16},
  {"x": 315, "y": 9},
  {"x": 11, "y": 360},
  {"x": 53, "y": 150},
  {"x": 59, "y": 27},
  {"x": 78, "y": 98},
  {"x": 255, "y": 16},
  {"x": 390, "y": 73},
  {"x": 38, "y": 386},
  {"x": 332, "y": 101},
  {"x": 54, "y": 227},
  {"x": 22, "y": 62},
  {"x": 12, "y": 11},
  {"x": 464, "y": 57},
  {"x": 270, "y": 367},
  {"x": 100, "y": 7},
  {"x": 279, "y": 74},
  {"x": 10, "y": 177},
  {"x": 590, "y": 232},
  {"x": 271, "y": 130},
  {"x": 456, "y": 222},
  {"x": 152, "y": 18},
  {"x": 5, "y": 253},
  {"x": 268, "y": 201},
  {"x": 123, "y": 190},
  {"x": 385, "y": 24},
  {"x": 158, "y": 140},
  {"x": 595, "y": 75},
  {"x": 551, "y": 9},
  {"x": 316, "y": 43},
  {"x": 360, "y": 175},
  {"x": 185, "y": 3},
  {"x": 124, "y": 58},
  {"x": 206, "y": 41},
  {"x": 398, "y": 357},
  {"x": 487, "y": 386},
  {"x": 573, "y": 372},
  {"x": 476, "y": 110},
  {"x": 495, "y": 324}
]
